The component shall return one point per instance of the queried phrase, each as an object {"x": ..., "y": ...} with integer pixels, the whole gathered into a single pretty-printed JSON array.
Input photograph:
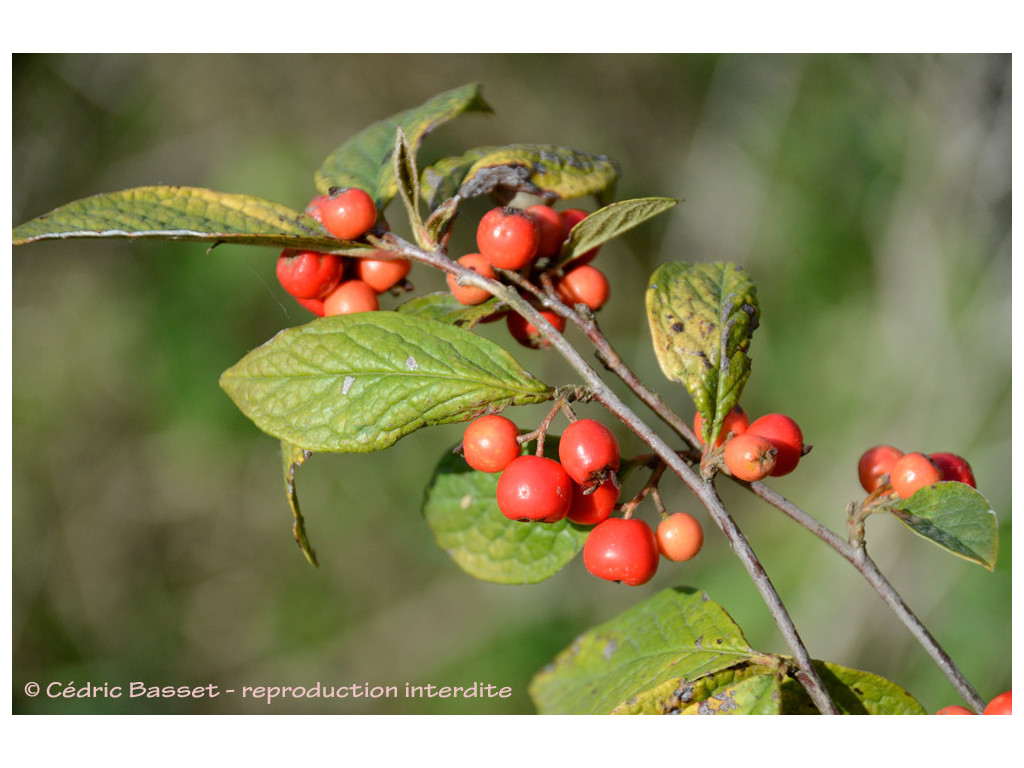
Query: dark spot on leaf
[
  {"x": 718, "y": 641},
  {"x": 677, "y": 327}
]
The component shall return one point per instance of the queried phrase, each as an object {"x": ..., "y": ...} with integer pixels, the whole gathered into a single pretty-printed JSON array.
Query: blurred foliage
[{"x": 867, "y": 195}]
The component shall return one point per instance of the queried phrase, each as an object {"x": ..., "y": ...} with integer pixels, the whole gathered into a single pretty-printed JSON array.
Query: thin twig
[{"x": 704, "y": 490}]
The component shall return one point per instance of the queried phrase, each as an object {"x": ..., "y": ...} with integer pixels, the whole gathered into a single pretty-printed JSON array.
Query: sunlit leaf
[
  {"x": 462, "y": 511},
  {"x": 611, "y": 221},
  {"x": 183, "y": 213},
  {"x": 364, "y": 161},
  {"x": 677, "y": 633},
  {"x": 957, "y": 518},
  {"x": 292, "y": 458},
  {"x": 556, "y": 172},
  {"x": 359, "y": 382},
  {"x": 702, "y": 317}
]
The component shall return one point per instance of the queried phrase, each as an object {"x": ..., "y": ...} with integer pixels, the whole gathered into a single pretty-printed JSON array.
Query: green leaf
[
  {"x": 957, "y": 518},
  {"x": 854, "y": 693},
  {"x": 461, "y": 509},
  {"x": 702, "y": 317},
  {"x": 680, "y": 653},
  {"x": 753, "y": 695},
  {"x": 364, "y": 161},
  {"x": 183, "y": 213},
  {"x": 676, "y": 634},
  {"x": 445, "y": 308},
  {"x": 292, "y": 458},
  {"x": 360, "y": 382},
  {"x": 720, "y": 693},
  {"x": 409, "y": 186},
  {"x": 555, "y": 172},
  {"x": 611, "y": 221}
]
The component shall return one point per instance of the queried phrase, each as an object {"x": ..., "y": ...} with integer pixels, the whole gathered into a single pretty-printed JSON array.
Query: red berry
[
  {"x": 382, "y": 274},
  {"x": 622, "y": 550},
  {"x": 736, "y": 421},
  {"x": 875, "y": 464},
  {"x": 350, "y": 297},
  {"x": 313, "y": 209},
  {"x": 470, "y": 294},
  {"x": 347, "y": 213},
  {"x": 785, "y": 435},
  {"x": 1000, "y": 705},
  {"x": 588, "y": 450},
  {"x": 680, "y": 537},
  {"x": 527, "y": 334},
  {"x": 534, "y": 488},
  {"x": 911, "y": 472},
  {"x": 507, "y": 238},
  {"x": 550, "y": 229},
  {"x": 750, "y": 457},
  {"x": 584, "y": 285},
  {"x": 954, "y": 468},
  {"x": 489, "y": 443},
  {"x": 954, "y": 709},
  {"x": 308, "y": 274},
  {"x": 593, "y": 508},
  {"x": 316, "y": 306},
  {"x": 570, "y": 218}
]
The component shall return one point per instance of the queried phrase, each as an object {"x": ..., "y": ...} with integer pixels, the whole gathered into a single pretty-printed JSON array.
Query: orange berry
[{"x": 350, "y": 297}]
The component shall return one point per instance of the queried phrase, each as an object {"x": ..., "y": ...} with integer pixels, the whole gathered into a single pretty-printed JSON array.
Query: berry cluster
[
  {"x": 884, "y": 468},
  {"x": 771, "y": 445},
  {"x": 582, "y": 485},
  {"x": 1000, "y": 705},
  {"x": 328, "y": 284},
  {"x": 528, "y": 240}
]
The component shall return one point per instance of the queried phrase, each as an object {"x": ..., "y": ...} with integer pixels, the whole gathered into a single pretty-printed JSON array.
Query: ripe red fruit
[
  {"x": 954, "y": 468},
  {"x": 622, "y": 550},
  {"x": 736, "y": 421},
  {"x": 527, "y": 334},
  {"x": 750, "y": 457},
  {"x": 1000, "y": 705},
  {"x": 489, "y": 443},
  {"x": 570, "y": 218},
  {"x": 785, "y": 435},
  {"x": 875, "y": 464},
  {"x": 680, "y": 537},
  {"x": 534, "y": 488},
  {"x": 584, "y": 285},
  {"x": 382, "y": 274},
  {"x": 911, "y": 472},
  {"x": 470, "y": 294},
  {"x": 316, "y": 306},
  {"x": 350, "y": 297},
  {"x": 347, "y": 213},
  {"x": 550, "y": 229},
  {"x": 313, "y": 209},
  {"x": 593, "y": 508},
  {"x": 507, "y": 237},
  {"x": 308, "y": 274},
  {"x": 954, "y": 709},
  {"x": 588, "y": 450}
]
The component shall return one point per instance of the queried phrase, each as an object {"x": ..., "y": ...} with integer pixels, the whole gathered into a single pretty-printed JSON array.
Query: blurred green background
[{"x": 868, "y": 195}]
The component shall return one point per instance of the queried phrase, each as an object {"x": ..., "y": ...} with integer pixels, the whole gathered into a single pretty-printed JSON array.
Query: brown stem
[
  {"x": 856, "y": 554},
  {"x": 704, "y": 490}
]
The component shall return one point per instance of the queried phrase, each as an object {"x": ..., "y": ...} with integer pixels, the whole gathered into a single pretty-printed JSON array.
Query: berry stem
[
  {"x": 702, "y": 488},
  {"x": 853, "y": 552},
  {"x": 858, "y": 557}
]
